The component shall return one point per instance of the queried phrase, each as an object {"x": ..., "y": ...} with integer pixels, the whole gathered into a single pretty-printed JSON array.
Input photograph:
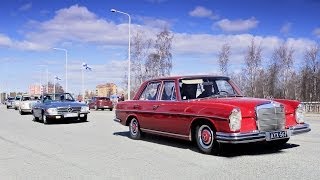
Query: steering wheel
[{"x": 226, "y": 92}]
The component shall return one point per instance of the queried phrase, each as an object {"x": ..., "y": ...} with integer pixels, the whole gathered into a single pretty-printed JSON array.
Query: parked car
[
  {"x": 101, "y": 103},
  {"x": 10, "y": 102},
  {"x": 26, "y": 103},
  {"x": 52, "y": 107},
  {"x": 16, "y": 102},
  {"x": 209, "y": 110}
]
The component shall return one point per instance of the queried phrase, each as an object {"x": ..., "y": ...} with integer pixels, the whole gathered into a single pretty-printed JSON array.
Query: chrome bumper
[
  {"x": 117, "y": 120},
  {"x": 237, "y": 138}
]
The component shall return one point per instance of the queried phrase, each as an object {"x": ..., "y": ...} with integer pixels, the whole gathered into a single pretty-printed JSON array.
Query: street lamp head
[{"x": 113, "y": 10}]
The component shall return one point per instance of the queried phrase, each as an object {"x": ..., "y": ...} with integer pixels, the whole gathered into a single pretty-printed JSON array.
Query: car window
[
  {"x": 26, "y": 98},
  {"x": 151, "y": 91},
  {"x": 169, "y": 91},
  {"x": 225, "y": 87}
]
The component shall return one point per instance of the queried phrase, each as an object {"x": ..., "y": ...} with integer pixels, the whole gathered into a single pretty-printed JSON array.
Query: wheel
[
  {"x": 44, "y": 119},
  {"x": 111, "y": 109},
  {"x": 84, "y": 119},
  {"x": 21, "y": 112},
  {"x": 96, "y": 107},
  {"x": 134, "y": 129},
  {"x": 102, "y": 109},
  {"x": 205, "y": 138},
  {"x": 7, "y": 107},
  {"x": 15, "y": 108}
]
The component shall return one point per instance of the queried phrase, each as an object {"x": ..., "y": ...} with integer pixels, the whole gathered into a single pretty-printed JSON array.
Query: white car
[
  {"x": 26, "y": 103},
  {"x": 16, "y": 102}
]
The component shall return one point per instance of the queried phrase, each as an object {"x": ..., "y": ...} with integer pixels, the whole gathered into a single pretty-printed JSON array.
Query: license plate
[
  {"x": 71, "y": 115},
  {"x": 274, "y": 135}
]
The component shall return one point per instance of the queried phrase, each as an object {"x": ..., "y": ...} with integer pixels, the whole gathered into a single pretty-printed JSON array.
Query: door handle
[{"x": 155, "y": 107}]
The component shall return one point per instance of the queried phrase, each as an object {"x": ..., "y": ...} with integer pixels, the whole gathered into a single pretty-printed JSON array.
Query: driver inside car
[{"x": 207, "y": 91}]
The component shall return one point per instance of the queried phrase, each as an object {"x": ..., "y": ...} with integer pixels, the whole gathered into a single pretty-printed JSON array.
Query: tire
[
  {"x": 102, "y": 109},
  {"x": 205, "y": 139},
  {"x": 96, "y": 107},
  {"x": 15, "y": 108},
  {"x": 84, "y": 119},
  {"x": 21, "y": 112},
  {"x": 44, "y": 119},
  {"x": 111, "y": 109},
  {"x": 7, "y": 107},
  {"x": 134, "y": 129}
]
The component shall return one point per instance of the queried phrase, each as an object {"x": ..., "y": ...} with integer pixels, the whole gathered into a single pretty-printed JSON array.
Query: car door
[
  {"x": 144, "y": 106},
  {"x": 168, "y": 111}
]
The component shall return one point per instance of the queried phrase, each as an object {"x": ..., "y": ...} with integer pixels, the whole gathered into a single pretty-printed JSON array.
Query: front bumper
[
  {"x": 67, "y": 115},
  {"x": 237, "y": 138}
]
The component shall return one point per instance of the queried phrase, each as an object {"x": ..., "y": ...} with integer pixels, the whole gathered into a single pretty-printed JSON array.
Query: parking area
[{"x": 101, "y": 149}]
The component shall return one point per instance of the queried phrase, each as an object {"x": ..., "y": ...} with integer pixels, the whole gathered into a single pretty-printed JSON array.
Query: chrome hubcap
[
  {"x": 134, "y": 127},
  {"x": 205, "y": 136}
]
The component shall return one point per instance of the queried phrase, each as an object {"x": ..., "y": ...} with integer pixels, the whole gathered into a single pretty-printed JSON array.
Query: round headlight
[
  {"x": 300, "y": 114},
  {"x": 235, "y": 119}
]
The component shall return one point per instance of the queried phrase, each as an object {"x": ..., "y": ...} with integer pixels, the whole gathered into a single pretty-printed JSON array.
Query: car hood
[
  {"x": 64, "y": 104},
  {"x": 247, "y": 105}
]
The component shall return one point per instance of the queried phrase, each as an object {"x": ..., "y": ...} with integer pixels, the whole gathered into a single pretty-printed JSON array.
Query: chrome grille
[
  {"x": 69, "y": 109},
  {"x": 270, "y": 117}
]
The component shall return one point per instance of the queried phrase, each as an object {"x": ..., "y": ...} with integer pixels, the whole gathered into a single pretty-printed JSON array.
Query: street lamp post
[
  {"x": 66, "y": 78},
  {"x": 129, "y": 60}
]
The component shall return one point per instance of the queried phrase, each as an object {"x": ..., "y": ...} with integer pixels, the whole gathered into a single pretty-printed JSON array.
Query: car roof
[{"x": 189, "y": 77}]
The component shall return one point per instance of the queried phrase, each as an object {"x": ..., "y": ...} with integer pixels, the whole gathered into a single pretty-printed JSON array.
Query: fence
[{"x": 312, "y": 107}]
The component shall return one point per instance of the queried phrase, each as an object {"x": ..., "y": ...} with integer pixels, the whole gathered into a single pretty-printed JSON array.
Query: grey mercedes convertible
[{"x": 53, "y": 107}]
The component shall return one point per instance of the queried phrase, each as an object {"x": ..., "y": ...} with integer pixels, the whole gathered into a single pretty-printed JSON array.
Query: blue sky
[{"x": 92, "y": 34}]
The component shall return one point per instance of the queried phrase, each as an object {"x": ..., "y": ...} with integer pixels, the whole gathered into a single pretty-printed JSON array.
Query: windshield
[
  {"x": 10, "y": 98},
  {"x": 18, "y": 98},
  {"x": 57, "y": 97},
  {"x": 26, "y": 98},
  {"x": 206, "y": 87}
]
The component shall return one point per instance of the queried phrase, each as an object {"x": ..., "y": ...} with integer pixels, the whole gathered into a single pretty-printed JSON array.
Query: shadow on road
[
  {"x": 228, "y": 150},
  {"x": 65, "y": 121}
]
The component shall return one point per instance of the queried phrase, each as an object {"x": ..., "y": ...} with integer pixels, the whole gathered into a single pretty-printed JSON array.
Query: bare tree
[
  {"x": 159, "y": 63},
  {"x": 140, "y": 47},
  {"x": 252, "y": 67},
  {"x": 312, "y": 64},
  {"x": 224, "y": 55}
]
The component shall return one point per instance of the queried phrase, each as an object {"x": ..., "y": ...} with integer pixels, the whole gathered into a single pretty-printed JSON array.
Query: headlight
[
  {"x": 300, "y": 114},
  {"x": 52, "y": 111},
  {"x": 84, "y": 108},
  {"x": 235, "y": 119}
]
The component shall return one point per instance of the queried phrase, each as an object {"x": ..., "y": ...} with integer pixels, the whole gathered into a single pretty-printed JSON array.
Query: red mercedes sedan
[{"x": 209, "y": 110}]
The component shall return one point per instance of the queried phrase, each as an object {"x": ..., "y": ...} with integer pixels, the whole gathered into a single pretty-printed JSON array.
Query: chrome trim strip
[
  {"x": 300, "y": 128},
  {"x": 165, "y": 133},
  {"x": 175, "y": 114},
  {"x": 117, "y": 120}
]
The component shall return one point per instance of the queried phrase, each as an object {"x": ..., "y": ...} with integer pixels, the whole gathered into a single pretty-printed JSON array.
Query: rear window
[
  {"x": 10, "y": 98},
  {"x": 103, "y": 98}
]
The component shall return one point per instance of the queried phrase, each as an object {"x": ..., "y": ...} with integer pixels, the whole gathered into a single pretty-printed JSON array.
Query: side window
[
  {"x": 169, "y": 91},
  {"x": 151, "y": 91}
]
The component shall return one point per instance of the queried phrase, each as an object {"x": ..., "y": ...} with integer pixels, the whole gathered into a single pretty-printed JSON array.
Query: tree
[
  {"x": 224, "y": 55},
  {"x": 252, "y": 68},
  {"x": 140, "y": 47},
  {"x": 159, "y": 63}
]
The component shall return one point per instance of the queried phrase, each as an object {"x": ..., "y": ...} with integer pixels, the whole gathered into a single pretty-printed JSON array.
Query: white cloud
[
  {"x": 201, "y": 11},
  {"x": 5, "y": 41},
  {"x": 25, "y": 7},
  {"x": 316, "y": 32},
  {"x": 285, "y": 29},
  {"x": 238, "y": 25}
]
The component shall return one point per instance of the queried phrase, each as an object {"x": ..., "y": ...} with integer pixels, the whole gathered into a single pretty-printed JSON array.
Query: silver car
[
  {"x": 53, "y": 107},
  {"x": 26, "y": 103}
]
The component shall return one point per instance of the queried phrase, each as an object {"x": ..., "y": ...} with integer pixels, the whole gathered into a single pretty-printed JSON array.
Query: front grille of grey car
[
  {"x": 270, "y": 117},
  {"x": 69, "y": 109}
]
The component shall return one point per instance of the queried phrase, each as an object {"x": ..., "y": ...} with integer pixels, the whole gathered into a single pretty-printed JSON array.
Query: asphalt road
[{"x": 101, "y": 149}]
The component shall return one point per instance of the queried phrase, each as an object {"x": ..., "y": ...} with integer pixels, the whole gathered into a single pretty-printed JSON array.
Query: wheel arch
[
  {"x": 198, "y": 121},
  {"x": 129, "y": 118}
]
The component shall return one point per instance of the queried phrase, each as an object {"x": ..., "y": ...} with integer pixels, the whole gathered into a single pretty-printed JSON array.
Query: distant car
[
  {"x": 209, "y": 110},
  {"x": 10, "y": 102},
  {"x": 101, "y": 103},
  {"x": 26, "y": 103},
  {"x": 16, "y": 102},
  {"x": 53, "y": 107}
]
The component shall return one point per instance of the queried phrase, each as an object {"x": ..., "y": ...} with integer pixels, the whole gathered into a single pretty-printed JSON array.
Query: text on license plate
[
  {"x": 277, "y": 135},
  {"x": 71, "y": 115}
]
